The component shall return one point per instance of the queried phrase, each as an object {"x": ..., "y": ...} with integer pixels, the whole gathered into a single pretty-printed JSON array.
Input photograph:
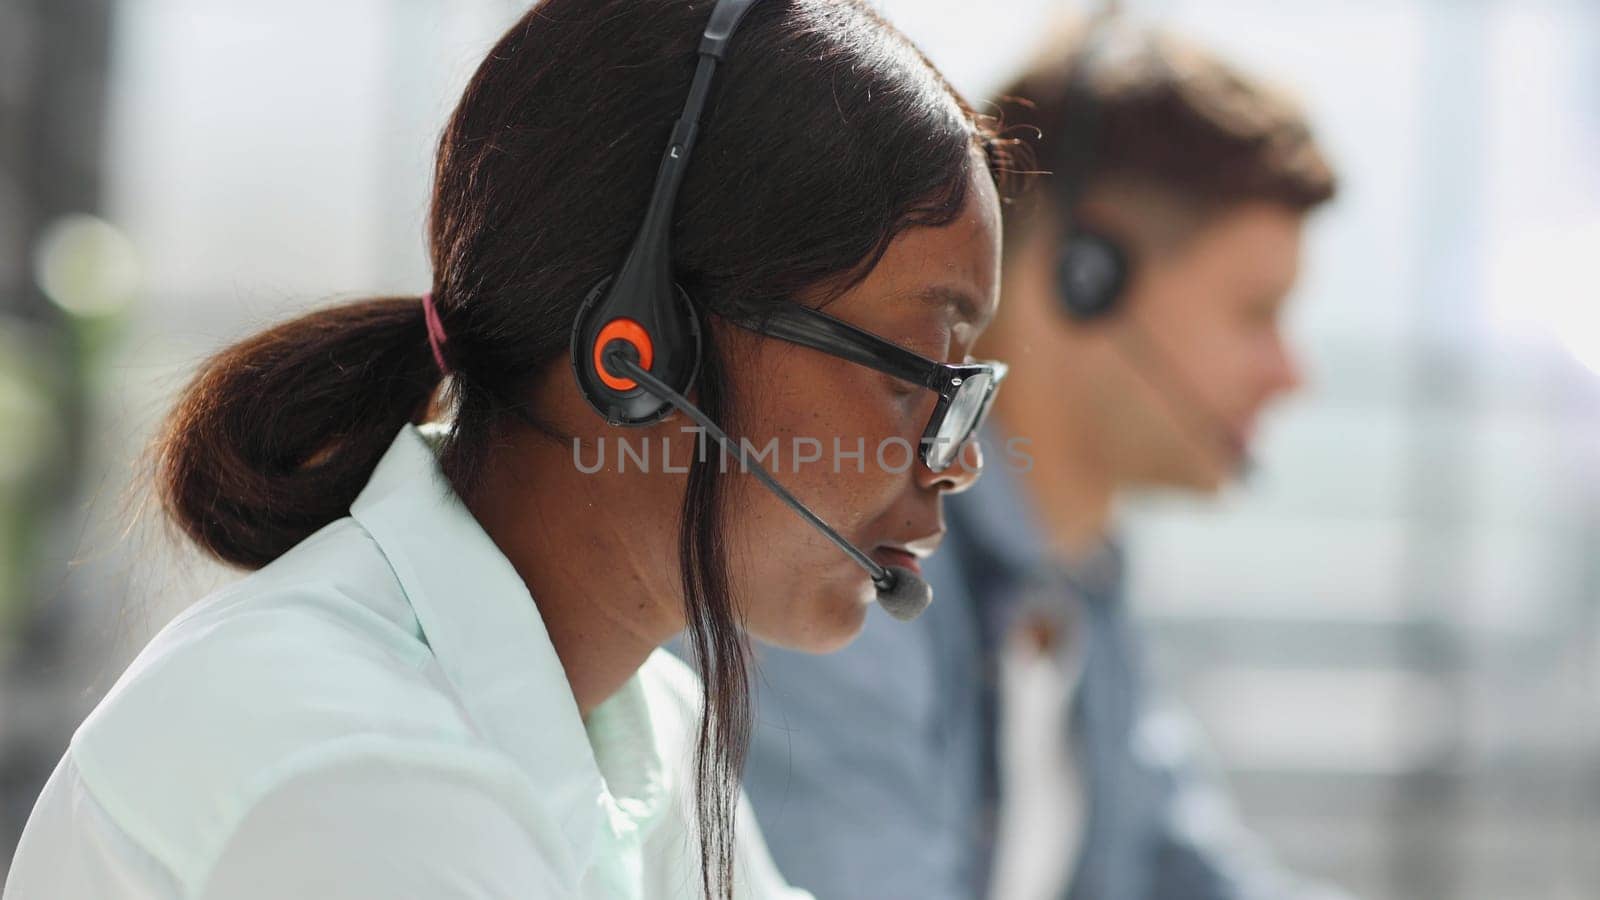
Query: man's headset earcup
[
  {"x": 664, "y": 332},
  {"x": 1091, "y": 274}
]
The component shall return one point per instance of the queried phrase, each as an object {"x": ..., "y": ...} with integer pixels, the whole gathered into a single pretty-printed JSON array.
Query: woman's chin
[
  {"x": 835, "y": 639},
  {"x": 829, "y": 621}
]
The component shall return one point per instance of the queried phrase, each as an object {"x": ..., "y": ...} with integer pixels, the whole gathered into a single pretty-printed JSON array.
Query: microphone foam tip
[{"x": 906, "y": 596}]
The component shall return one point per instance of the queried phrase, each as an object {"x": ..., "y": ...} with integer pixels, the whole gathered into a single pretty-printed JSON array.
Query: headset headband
[{"x": 639, "y": 305}]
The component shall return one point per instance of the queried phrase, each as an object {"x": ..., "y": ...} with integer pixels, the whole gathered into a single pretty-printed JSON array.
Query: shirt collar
[{"x": 490, "y": 641}]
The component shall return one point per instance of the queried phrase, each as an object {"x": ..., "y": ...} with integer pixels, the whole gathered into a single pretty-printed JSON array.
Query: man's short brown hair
[{"x": 1162, "y": 114}]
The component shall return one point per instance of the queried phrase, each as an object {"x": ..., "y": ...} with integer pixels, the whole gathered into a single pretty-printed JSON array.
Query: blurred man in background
[{"x": 1004, "y": 744}]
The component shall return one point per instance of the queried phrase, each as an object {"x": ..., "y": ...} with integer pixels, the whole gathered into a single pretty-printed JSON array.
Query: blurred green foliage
[{"x": 43, "y": 372}]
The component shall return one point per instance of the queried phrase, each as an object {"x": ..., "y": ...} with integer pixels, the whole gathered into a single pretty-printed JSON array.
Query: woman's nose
[{"x": 959, "y": 475}]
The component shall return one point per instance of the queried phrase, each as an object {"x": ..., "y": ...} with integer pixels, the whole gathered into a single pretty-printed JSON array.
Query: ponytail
[{"x": 277, "y": 434}]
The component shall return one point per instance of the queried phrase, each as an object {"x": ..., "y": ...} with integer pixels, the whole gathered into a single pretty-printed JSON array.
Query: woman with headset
[{"x": 442, "y": 678}]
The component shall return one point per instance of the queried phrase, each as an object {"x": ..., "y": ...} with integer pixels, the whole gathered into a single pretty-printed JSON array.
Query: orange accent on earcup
[{"x": 623, "y": 330}]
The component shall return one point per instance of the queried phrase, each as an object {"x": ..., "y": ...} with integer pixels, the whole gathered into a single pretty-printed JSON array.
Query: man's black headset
[
  {"x": 1092, "y": 267},
  {"x": 636, "y": 342}
]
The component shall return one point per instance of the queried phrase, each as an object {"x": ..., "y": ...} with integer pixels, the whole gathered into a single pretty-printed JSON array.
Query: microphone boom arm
[{"x": 617, "y": 359}]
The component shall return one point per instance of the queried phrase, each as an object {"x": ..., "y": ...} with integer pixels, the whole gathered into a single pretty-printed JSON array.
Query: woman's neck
[{"x": 601, "y": 582}]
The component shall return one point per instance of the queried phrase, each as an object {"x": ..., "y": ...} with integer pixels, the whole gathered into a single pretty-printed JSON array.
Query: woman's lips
[{"x": 889, "y": 556}]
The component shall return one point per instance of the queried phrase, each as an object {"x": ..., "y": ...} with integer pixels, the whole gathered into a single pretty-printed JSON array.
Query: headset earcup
[
  {"x": 672, "y": 329},
  {"x": 1091, "y": 274}
]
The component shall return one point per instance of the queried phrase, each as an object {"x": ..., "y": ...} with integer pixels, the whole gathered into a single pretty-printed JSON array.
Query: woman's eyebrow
[{"x": 962, "y": 301}]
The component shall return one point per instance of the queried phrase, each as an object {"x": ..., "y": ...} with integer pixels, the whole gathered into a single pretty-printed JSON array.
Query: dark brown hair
[
  {"x": 1164, "y": 114},
  {"x": 829, "y": 135}
]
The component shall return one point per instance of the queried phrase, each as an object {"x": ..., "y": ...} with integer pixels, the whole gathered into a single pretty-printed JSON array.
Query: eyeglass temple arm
[{"x": 807, "y": 327}]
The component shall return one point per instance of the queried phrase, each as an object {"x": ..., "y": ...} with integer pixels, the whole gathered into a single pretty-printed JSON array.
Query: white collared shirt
[
  {"x": 377, "y": 714},
  {"x": 1040, "y": 824}
]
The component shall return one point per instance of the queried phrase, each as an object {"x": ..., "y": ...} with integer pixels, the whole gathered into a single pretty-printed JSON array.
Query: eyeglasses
[{"x": 965, "y": 391}]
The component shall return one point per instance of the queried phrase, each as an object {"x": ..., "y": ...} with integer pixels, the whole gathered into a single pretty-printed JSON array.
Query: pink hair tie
[{"x": 436, "y": 335}]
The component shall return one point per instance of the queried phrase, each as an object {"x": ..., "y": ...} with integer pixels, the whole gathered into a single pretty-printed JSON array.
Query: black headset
[
  {"x": 639, "y": 308},
  {"x": 638, "y": 325},
  {"x": 1092, "y": 267}
]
